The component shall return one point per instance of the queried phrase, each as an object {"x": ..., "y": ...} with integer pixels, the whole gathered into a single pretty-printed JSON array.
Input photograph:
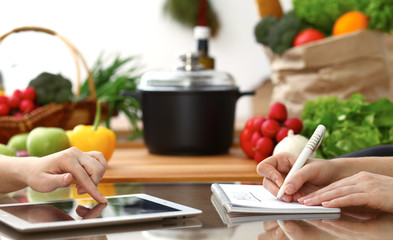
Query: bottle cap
[{"x": 202, "y": 32}]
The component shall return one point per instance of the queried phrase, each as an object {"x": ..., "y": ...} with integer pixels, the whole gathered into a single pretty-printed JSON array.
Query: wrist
[{"x": 343, "y": 168}]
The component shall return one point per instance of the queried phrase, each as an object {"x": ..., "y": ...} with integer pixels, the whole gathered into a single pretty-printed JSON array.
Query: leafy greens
[{"x": 351, "y": 124}]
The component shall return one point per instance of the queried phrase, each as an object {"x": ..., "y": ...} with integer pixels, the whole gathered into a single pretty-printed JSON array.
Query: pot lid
[{"x": 188, "y": 76}]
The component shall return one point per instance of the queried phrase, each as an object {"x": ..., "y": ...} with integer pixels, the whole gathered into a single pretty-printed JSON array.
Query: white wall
[{"x": 129, "y": 27}]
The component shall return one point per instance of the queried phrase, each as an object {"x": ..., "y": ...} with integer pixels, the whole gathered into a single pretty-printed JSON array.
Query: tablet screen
[{"x": 71, "y": 211}]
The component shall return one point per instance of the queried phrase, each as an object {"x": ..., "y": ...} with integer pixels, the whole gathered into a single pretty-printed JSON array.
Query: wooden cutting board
[{"x": 133, "y": 163}]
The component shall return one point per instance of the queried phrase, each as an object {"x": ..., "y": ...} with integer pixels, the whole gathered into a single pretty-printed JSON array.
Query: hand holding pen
[
  {"x": 311, "y": 177},
  {"x": 311, "y": 146}
]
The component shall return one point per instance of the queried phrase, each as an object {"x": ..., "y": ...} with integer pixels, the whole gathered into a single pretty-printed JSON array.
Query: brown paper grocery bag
[{"x": 358, "y": 62}]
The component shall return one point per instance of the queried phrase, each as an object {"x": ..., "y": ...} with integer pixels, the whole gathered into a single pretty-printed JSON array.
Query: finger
[
  {"x": 92, "y": 167},
  {"x": 82, "y": 210},
  {"x": 332, "y": 230},
  {"x": 332, "y": 194},
  {"x": 271, "y": 168},
  {"x": 84, "y": 180},
  {"x": 95, "y": 212},
  {"x": 354, "y": 199},
  {"x": 80, "y": 189},
  {"x": 350, "y": 226},
  {"x": 272, "y": 187},
  {"x": 331, "y": 187},
  {"x": 300, "y": 177},
  {"x": 293, "y": 231},
  {"x": 269, "y": 225},
  {"x": 53, "y": 181},
  {"x": 99, "y": 157}
]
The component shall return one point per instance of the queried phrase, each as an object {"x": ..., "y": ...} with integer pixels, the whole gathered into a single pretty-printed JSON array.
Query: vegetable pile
[
  {"x": 44, "y": 89},
  {"x": 351, "y": 124},
  {"x": 261, "y": 134},
  {"x": 19, "y": 103},
  {"x": 324, "y": 19}
]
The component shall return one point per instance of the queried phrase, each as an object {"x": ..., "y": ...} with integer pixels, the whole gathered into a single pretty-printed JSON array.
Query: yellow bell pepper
[{"x": 93, "y": 137}]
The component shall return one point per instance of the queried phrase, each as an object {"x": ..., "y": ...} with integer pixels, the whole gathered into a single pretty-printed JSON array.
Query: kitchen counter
[
  {"x": 131, "y": 162},
  {"x": 213, "y": 223}
]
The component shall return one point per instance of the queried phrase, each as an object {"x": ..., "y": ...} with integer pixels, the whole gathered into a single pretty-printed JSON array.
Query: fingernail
[
  {"x": 326, "y": 204},
  {"x": 307, "y": 202},
  {"x": 289, "y": 188}
]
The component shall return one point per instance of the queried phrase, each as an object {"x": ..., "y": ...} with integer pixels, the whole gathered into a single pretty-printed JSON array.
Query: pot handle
[
  {"x": 135, "y": 94},
  {"x": 241, "y": 94}
]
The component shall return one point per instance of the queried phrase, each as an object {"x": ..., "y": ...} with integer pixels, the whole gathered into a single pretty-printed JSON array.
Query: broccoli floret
[
  {"x": 282, "y": 34},
  {"x": 262, "y": 29},
  {"x": 51, "y": 88}
]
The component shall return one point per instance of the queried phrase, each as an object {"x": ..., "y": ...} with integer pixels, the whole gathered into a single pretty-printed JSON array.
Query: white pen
[
  {"x": 281, "y": 224},
  {"x": 310, "y": 147}
]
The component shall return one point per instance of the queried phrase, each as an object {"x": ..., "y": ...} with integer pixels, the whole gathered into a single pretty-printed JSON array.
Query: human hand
[
  {"x": 293, "y": 230},
  {"x": 87, "y": 213},
  {"x": 362, "y": 189},
  {"x": 59, "y": 169},
  {"x": 316, "y": 173},
  {"x": 378, "y": 227}
]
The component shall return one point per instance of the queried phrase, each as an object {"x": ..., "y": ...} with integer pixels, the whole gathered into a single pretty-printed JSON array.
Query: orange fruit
[{"x": 350, "y": 22}]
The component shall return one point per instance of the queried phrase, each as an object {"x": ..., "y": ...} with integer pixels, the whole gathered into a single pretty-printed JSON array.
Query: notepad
[
  {"x": 234, "y": 219},
  {"x": 239, "y": 198}
]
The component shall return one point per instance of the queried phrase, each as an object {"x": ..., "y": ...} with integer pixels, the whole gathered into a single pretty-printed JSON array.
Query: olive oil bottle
[{"x": 202, "y": 35}]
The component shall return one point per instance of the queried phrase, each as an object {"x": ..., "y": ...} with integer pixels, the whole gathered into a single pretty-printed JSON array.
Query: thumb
[
  {"x": 58, "y": 180},
  {"x": 298, "y": 179}
]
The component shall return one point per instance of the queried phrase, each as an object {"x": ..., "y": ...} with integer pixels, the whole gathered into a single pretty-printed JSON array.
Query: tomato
[
  {"x": 265, "y": 146},
  {"x": 26, "y": 106},
  {"x": 29, "y": 93},
  {"x": 4, "y": 109},
  {"x": 3, "y": 99},
  {"x": 306, "y": 36},
  {"x": 245, "y": 142}
]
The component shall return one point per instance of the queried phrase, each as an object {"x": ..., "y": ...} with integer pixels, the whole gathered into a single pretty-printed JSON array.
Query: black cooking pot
[{"x": 188, "y": 112}]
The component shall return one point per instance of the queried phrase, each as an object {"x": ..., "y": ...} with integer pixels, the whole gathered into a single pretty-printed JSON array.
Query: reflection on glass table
[{"x": 352, "y": 225}]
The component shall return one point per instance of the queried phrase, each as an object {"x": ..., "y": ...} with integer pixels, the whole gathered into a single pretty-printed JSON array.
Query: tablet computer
[{"x": 77, "y": 213}]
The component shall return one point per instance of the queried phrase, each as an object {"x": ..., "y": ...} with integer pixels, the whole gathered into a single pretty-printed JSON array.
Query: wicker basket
[{"x": 66, "y": 115}]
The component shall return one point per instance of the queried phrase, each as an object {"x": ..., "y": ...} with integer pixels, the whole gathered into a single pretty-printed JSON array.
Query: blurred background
[{"x": 129, "y": 28}]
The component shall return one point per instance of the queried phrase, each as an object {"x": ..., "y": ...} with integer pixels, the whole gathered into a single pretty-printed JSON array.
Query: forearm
[
  {"x": 350, "y": 166},
  {"x": 13, "y": 173}
]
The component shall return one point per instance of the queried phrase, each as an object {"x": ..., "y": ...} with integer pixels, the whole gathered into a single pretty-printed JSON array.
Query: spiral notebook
[{"x": 239, "y": 198}]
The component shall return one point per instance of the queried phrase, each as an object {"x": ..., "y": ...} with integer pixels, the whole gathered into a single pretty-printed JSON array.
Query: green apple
[
  {"x": 5, "y": 150},
  {"x": 43, "y": 141},
  {"x": 58, "y": 194},
  {"x": 18, "y": 142}
]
